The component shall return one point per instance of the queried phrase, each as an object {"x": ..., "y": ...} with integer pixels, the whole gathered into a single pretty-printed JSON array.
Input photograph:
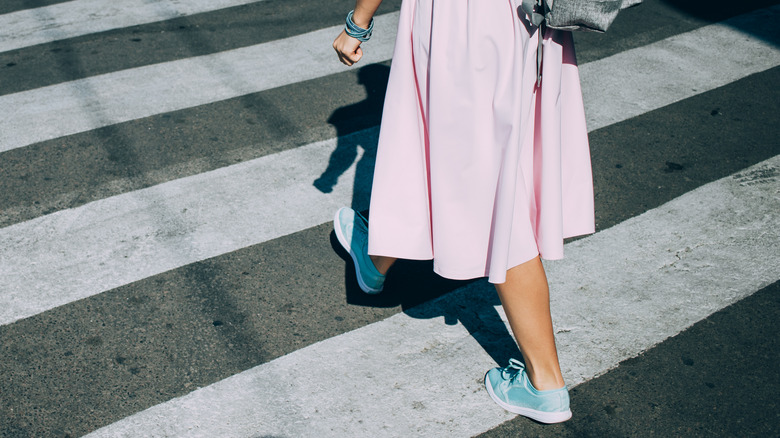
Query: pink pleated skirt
[{"x": 478, "y": 168}]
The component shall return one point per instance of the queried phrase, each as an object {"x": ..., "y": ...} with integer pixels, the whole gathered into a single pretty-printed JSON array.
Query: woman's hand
[{"x": 347, "y": 48}]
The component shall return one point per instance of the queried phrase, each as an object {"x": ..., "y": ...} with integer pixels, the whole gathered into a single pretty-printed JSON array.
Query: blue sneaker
[
  {"x": 352, "y": 231},
  {"x": 511, "y": 388}
]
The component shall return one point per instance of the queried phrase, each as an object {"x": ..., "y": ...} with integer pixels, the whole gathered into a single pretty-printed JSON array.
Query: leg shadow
[{"x": 420, "y": 293}]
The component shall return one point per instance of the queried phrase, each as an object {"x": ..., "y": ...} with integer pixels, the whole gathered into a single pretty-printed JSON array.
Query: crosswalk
[
  {"x": 165, "y": 257},
  {"x": 75, "y": 18},
  {"x": 672, "y": 241},
  {"x": 117, "y": 97}
]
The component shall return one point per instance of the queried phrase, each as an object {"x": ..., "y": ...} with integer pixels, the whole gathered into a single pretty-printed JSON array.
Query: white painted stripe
[
  {"x": 72, "y": 107},
  {"x": 81, "y": 17},
  {"x": 72, "y": 254},
  {"x": 619, "y": 292},
  {"x": 680, "y": 66},
  {"x": 49, "y": 112}
]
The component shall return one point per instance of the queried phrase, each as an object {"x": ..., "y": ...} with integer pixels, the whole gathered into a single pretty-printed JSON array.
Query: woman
[{"x": 480, "y": 167}]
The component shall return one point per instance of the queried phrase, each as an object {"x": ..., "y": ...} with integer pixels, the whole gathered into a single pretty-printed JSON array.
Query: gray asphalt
[{"x": 92, "y": 362}]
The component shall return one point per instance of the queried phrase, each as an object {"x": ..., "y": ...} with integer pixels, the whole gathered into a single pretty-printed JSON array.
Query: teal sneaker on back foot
[
  {"x": 352, "y": 231},
  {"x": 511, "y": 389}
]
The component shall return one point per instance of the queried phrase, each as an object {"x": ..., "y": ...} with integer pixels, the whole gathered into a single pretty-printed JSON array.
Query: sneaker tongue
[
  {"x": 361, "y": 225},
  {"x": 509, "y": 373}
]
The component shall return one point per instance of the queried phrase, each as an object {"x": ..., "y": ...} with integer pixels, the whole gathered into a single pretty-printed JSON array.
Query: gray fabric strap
[
  {"x": 535, "y": 10},
  {"x": 539, "y": 52}
]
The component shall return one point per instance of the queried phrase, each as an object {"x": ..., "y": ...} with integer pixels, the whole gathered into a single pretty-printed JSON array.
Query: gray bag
[{"x": 592, "y": 15}]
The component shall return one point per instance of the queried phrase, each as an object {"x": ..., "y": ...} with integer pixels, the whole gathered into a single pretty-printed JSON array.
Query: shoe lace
[{"x": 515, "y": 368}]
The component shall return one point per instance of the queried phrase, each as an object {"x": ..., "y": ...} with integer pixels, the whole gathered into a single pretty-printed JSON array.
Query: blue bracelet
[{"x": 356, "y": 31}]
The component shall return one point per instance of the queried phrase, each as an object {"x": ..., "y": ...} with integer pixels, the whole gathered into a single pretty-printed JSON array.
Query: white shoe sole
[
  {"x": 348, "y": 247},
  {"x": 540, "y": 416}
]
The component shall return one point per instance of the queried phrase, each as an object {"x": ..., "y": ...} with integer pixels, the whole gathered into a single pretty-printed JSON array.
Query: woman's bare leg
[
  {"x": 525, "y": 297},
  {"x": 382, "y": 263}
]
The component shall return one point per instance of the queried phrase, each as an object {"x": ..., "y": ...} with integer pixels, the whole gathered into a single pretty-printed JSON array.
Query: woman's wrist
[
  {"x": 356, "y": 31},
  {"x": 362, "y": 18}
]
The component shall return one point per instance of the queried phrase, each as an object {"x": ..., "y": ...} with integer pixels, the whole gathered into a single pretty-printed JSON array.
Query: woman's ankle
[
  {"x": 545, "y": 381},
  {"x": 547, "y": 385},
  {"x": 382, "y": 263}
]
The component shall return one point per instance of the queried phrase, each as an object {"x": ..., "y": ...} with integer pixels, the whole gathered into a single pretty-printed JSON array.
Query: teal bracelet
[{"x": 356, "y": 31}]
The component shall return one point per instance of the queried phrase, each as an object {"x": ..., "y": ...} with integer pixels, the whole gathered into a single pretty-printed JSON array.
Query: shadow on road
[
  {"x": 719, "y": 10},
  {"x": 421, "y": 293},
  {"x": 412, "y": 285},
  {"x": 374, "y": 78}
]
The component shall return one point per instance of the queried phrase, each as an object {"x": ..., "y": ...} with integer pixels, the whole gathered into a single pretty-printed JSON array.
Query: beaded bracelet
[{"x": 356, "y": 31}]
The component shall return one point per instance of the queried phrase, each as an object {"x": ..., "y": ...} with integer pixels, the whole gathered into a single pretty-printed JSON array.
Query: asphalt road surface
[{"x": 168, "y": 175}]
